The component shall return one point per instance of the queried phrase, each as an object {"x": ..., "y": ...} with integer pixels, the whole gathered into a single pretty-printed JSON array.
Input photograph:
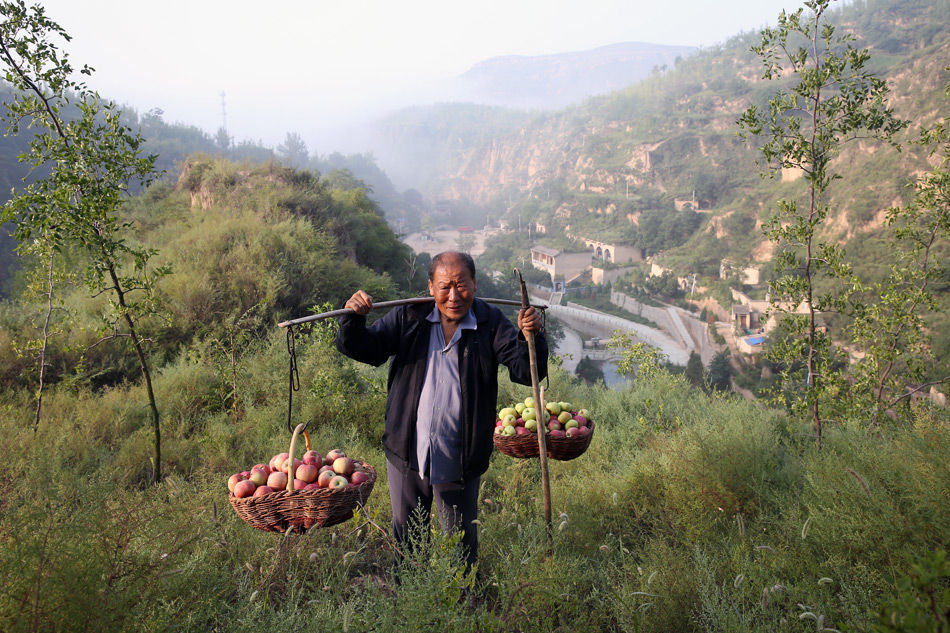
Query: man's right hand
[{"x": 360, "y": 303}]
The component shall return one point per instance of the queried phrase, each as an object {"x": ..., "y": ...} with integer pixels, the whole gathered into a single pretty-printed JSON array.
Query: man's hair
[{"x": 439, "y": 259}]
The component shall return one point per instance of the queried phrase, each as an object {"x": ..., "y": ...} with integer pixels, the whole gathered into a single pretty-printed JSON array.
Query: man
[{"x": 440, "y": 409}]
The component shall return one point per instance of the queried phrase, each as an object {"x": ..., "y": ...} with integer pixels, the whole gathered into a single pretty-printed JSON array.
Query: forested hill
[
  {"x": 247, "y": 247},
  {"x": 173, "y": 143},
  {"x": 601, "y": 165}
]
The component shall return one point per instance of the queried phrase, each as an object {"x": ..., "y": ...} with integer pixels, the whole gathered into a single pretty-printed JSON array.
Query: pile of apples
[
  {"x": 334, "y": 471},
  {"x": 557, "y": 420}
]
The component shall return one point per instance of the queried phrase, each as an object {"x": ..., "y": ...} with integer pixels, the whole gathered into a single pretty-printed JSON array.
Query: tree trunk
[
  {"x": 143, "y": 364},
  {"x": 49, "y": 312}
]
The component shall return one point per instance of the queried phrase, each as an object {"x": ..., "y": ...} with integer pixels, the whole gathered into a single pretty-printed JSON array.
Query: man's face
[{"x": 453, "y": 289}]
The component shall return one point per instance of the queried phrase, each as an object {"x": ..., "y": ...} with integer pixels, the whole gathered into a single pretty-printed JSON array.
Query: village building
[
  {"x": 748, "y": 275},
  {"x": 744, "y": 318},
  {"x": 751, "y": 344},
  {"x": 563, "y": 266}
]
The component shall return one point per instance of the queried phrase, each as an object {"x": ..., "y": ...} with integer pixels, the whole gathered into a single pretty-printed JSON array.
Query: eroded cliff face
[
  {"x": 608, "y": 159},
  {"x": 590, "y": 150}
]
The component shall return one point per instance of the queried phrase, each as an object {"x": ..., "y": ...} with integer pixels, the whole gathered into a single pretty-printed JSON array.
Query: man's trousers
[{"x": 456, "y": 504}]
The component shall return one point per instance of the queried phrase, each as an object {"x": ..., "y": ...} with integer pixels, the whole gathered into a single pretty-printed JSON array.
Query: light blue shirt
[{"x": 438, "y": 423}]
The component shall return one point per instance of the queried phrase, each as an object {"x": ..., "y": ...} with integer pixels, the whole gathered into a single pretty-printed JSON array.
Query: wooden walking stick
[{"x": 538, "y": 403}]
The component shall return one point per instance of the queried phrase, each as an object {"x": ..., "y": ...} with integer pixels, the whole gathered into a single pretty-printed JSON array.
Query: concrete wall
[
  {"x": 571, "y": 265},
  {"x": 601, "y": 276},
  {"x": 626, "y": 254}
]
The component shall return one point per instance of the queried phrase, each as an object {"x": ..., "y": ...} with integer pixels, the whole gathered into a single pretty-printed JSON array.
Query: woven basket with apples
[
  {"x": 568, "y": 432},
  {"x": 323, "y": 491}
]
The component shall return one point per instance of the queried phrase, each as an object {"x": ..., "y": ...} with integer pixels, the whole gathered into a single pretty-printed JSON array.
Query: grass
[{"x": 687, "y": 513}]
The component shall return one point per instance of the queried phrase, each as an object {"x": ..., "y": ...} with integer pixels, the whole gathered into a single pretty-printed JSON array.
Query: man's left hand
[{"x": 529, "y": 320}]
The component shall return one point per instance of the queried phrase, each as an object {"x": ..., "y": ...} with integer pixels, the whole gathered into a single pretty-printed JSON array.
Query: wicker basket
[
  {"x": 560, "y": 448},
  {"x": 300, "y": 510}
]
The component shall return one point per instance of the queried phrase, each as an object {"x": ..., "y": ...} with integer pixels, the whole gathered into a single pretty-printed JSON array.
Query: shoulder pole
[
  {"x": 538, "y": 403},
  {"x": 391, "y": 304}
]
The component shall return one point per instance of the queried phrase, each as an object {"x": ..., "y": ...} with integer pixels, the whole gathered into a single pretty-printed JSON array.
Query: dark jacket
[{"x": 403, "y": 334}]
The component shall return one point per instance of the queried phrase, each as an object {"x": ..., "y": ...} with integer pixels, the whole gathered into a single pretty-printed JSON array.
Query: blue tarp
[{"x": 755, "y": 340}]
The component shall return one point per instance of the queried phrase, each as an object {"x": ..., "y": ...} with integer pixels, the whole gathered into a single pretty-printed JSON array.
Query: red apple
[
  {"x": 299, "y": 484},
  {"x": 574, "y": 431},
  {"x": 519, "y": 422},
  {"x": 581, "y": 420},
  {"x": 585, "y": 430},
  {"x": 233, "y": 479},
  {"x": 263, "y": 490},
  {"x": 520, "y": 430},
  {"x": 276, "y": 460},
  {"x": 306, "y": 472},
  {"x": 277, "y": 480},
  {"x": 313, "y": 458},
  {"x": 258, "y": 476},
  {"x": 287, "y": 465},
  {"x": 359, "y": 477},
  {"x": 324, "y": 469},
  {"x": 338, "y": 482},
  {"x": 244, "y": 488},
  {"x": 266, "y": 468},
  {"x": 343, "y": 466},
  {"x": 554, "y": 425},
  {"x": 335, "y": 454},
  {"x": 313, "y": 486},
  {"x": 557, "y": 433},
  {"x": 324, "y": 479}
]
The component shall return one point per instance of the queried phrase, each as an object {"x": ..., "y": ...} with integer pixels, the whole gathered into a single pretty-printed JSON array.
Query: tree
[
  {"x": 892, "y": 331},
  {"x": 833, "y": 99},
  {"x": 91, "y": 159},
  {"x": 222, "y": 139},
  {"x": 694, "y": 369},
  {"x": 293, "y": 151},
  {"x": 589, "y": 372},
  {"x": 720, "y": 372},
  {"x": 465, "y": 242}
]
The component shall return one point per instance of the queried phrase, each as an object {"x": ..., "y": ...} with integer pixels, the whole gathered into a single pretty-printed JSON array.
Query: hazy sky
[{"x": 312, "y": 66}]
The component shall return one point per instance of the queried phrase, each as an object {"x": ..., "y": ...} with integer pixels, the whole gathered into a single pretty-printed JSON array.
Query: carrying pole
[
  {"x": 392, "y": 304},
  {"x": 540, "y": 414}
]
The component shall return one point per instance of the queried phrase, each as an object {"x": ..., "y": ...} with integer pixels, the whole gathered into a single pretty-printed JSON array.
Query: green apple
[
  {"x": 520, "y": 407},
  {"x": 529, "y": 402},
  {"x": 564, "y": 417},
  {"x": 508, "y": 431},
  {"x": 565, "y": 406},
  {"x": 571, "y": 424},
  {"x": 584, "y": 413},
  {"x": 528, "y": 414},
  {"x": 553, "y": 408},
  {"x": 507, "y": 411},
  {"x": 531, "y": 425},
  {"x": 509, "y": 419}
]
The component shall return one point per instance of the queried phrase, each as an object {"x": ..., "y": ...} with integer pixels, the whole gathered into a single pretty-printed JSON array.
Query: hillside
[
  {"x": 600, "y": 165},
  {"x": 248, "y": 247},
  {"x": 659, "y": 165},
  {"x": 175, "y": 143}
]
